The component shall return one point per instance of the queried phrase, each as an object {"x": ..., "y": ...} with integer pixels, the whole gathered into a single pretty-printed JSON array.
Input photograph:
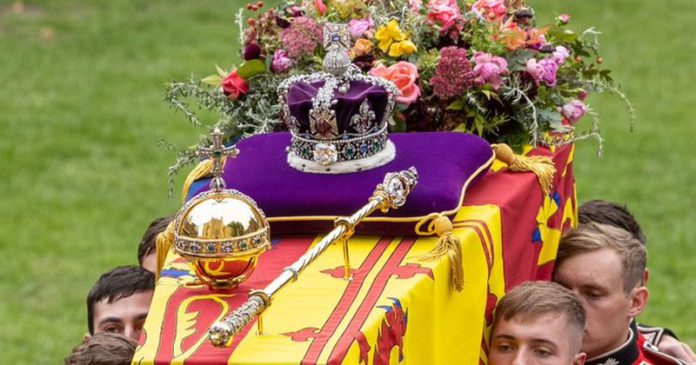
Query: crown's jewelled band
[{"x": 339, "y": 150}]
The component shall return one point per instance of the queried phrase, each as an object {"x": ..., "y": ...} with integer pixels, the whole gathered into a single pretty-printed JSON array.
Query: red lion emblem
[{"x": 391, "y": 333}]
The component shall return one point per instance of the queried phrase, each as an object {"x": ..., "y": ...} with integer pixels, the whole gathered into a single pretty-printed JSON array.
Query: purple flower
[
  {"x": 573, "y": 110},
  {"x": 564, "y": 18},
  {"x": 453, "y": 74},
  {"x": 358, "y": 27},
  {"x": 281, "y": 62},
  {"x": 560, "y": 55},
  {"x": 489, "y": 69},
  {"x": 301, "y": 37},
  {"x": 543, "y": 71}
]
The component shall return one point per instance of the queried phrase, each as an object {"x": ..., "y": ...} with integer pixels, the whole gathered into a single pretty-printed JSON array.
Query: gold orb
[{"x": 221, "y": 234}]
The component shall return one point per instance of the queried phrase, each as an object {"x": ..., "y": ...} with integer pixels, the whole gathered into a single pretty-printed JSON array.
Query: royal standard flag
[{"x": 396, "y": 309}]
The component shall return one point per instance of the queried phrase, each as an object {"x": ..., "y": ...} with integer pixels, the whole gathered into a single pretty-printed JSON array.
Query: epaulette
[{"x": 653, "y": 354}]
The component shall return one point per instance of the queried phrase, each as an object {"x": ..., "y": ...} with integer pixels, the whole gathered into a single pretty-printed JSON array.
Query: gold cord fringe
[
  {"x": 448, "y": 244},
  {"x": 541, "y": 166},
  {"x": 163, "y": 243},
  {"x": 203, "y": 169}
]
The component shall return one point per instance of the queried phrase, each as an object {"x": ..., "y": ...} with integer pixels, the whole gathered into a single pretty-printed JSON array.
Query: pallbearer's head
[{"x": 538, "y": 323}]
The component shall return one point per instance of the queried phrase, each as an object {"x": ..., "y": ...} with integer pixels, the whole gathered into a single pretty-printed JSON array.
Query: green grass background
[{"x": 81, "y": 114}]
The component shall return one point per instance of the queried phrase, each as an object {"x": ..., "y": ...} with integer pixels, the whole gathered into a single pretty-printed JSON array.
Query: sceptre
[{"x": 390, "y": 194}]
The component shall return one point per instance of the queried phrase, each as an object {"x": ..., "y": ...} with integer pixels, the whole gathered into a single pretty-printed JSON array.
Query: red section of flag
[
  {"x": 302, "y": 335},
  {"x": 207, "y": 310},
  {"x": 519, "y": 197},
  {"x": 348, "y": 336},
  {"x": 410, "y": 270},
  {"x": 391, "y": 334},
  {"x": 349, "y": 296}
]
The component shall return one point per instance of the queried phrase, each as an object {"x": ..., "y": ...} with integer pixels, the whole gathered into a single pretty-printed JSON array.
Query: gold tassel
[
  {"x": 448, "y": 244},
  {"x": 203, "y": 169},
  {"x": 541, "y": 166},
  {"x": 163, "y": 243}
]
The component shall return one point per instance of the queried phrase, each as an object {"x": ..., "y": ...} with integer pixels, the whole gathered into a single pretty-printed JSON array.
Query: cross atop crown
[
  {"x": 217, "y": 151},
  {"x": 336, "y": 44},
  {"x": 336, "y": 34}
]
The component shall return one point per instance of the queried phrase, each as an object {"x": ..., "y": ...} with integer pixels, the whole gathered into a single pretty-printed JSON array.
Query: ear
[
  {"x": 579, "y": 359},
  {"x": 639, "y": 299}
]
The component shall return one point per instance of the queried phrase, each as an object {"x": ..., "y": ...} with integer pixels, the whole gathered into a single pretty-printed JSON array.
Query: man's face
[
  {"x": 125, "y": 316},
  {"x": 150, "y": 262},
  {"x": 595, "y": 277},
  {"x": 539, "y": 341}
]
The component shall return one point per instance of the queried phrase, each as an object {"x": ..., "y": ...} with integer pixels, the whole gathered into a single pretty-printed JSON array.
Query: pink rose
[
  {"x": 403, "y": 74},
  {"x": 443, "y": 12},
  {"x": 492, "y": 10},
  {"x": 489, "y": 69},
  {"x": 560, "y": 55},
  {"x": 321, "y": 8},
  {"x": 573, "y": 110},
  {"x": 234, "y": 86},
  {"x": 564, "y": 18},
  {"x": 358, "y": 27},
  {"x": 543, "y": 71}
]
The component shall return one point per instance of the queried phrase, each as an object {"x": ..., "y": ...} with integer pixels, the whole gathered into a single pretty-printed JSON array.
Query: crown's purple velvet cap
[
  {"x": 300, "y": 96},
  {"x": 445, "y": 161}
]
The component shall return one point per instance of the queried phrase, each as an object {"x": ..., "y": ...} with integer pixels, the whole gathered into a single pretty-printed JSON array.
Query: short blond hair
[
  {"x": 532, "y": 300},
  {"x": 590, "y": 237}
]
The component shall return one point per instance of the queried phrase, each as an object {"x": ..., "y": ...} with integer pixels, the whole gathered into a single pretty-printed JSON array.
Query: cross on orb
[{"x": 216, "y": 152}]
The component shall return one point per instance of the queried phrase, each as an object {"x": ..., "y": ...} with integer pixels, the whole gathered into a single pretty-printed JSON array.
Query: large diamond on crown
[{"x": 325, "y": 154}]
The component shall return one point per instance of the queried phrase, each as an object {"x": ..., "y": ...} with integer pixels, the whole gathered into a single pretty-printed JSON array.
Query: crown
[{"x": 338, "y": 117}]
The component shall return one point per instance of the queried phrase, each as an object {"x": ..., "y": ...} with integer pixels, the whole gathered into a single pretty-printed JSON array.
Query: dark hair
[
  {"x": 600, "y": 211},
  {"x": 121, "y": 282},
  {"x": 147, "y": 243},
  {"x": 103, "y": 349}
]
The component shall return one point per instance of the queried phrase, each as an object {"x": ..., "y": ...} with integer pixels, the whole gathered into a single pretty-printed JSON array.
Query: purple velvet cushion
[{"x": 446, "y": 163}]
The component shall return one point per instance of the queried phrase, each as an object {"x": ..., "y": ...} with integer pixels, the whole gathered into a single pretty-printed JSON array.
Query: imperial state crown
[{"x": 338, "y": 117}]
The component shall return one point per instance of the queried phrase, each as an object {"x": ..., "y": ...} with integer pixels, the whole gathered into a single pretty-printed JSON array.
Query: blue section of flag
[
  {"x": 172, "y": 273},
  {"x": 557, "y": 199},
  {"x": 196, "y": 186},
  {"x": 536, "y": 236}
]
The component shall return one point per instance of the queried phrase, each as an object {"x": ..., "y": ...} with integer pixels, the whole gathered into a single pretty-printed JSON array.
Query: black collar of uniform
[{"x": 626, "y": 354}]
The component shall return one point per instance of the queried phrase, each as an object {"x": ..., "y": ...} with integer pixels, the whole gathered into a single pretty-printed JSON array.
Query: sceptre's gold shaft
[
  {"x": 346, "y": 260},
  {"x": 390, "y": 194}
]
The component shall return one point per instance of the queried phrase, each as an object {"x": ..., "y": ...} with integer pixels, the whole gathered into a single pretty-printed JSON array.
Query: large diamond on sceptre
[{"x": 221, "y": 232}]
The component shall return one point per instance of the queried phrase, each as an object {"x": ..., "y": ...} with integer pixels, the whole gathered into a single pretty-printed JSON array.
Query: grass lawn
[{"x": 81, "y": 115}]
